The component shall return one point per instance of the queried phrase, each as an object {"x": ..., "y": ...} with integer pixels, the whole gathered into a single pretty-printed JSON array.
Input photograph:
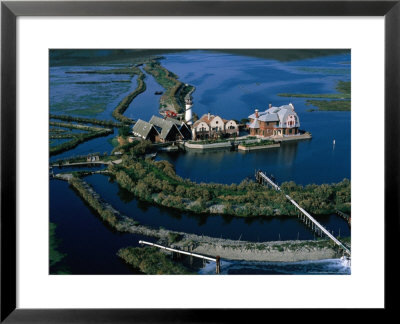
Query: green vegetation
[
  {"x": 54, "y": 255},
  {"x": 261, "y": 143},
  {"x": 102, "y": 82},
  {"x": 124, "y": 70},
  {"x": 82, "y": 158},
  {"x": 94, "y": 201},
  {"x": 323, "y": 70},
  {"x": 285, "y": 55},
  {"x": 94, "y": 121},
  {"x": 90, "y": 132},
  {"x": 173, "y": 98},
  {"x": 137, "y": 147},
  {"x": 211, "y": 141},
  {"x": 342, "y": 104},
  {"x": 94, "y": 109},
  {"x": 85, "y": 57},
  {"x": 150, "y": 260},
  {"x": 124, "y": 104},
  {"x": 157, "y": 182},
  {"x": 343, "y": 87},
  {"x": 331, "y": 105},
  {"x": 174, "y": 237},
  {"x": 124, "y": 131}
]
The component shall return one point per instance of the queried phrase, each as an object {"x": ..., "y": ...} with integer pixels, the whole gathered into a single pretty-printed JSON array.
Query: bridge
[
  {"x": 303, "y": 214},
  {"x": 344, "y": 216},
  {"x": 72, "y": 164}
]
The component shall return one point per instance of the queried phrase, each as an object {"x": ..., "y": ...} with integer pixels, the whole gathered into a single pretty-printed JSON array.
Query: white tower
[{"x": 188, "y": 110}]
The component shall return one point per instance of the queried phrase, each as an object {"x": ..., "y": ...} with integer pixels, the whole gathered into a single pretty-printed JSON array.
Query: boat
[{"x": 158, "y": 93}]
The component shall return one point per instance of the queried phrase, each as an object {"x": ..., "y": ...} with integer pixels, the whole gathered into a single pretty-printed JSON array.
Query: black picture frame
[{"x": 10, "y": 10}]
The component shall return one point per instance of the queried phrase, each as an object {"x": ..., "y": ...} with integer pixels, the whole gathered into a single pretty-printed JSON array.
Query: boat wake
[{"x": 319, "y": 267}]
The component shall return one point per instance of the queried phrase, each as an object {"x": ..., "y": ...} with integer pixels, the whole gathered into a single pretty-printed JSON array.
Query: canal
[{"x": 229, "y": 85}]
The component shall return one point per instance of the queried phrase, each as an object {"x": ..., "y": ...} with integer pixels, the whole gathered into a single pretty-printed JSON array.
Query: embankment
[
  {"x": 284, "y": 251},
  {"x": 124, "y": 104}
]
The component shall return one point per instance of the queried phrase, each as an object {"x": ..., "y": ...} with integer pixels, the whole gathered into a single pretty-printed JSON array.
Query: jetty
[
  {"x": 216, "y": 259},
  {"x": 262, "y": 178}
]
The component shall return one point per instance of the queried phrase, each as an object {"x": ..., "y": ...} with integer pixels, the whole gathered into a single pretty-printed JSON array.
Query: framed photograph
[{"x": 171, "y": 155}]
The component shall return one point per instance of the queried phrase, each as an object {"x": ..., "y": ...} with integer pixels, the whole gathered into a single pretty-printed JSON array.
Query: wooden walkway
[
  {"x": 216, "y": 259},
  {"x": 263, "y": 179},
  {"x": 87, "y": 163}
]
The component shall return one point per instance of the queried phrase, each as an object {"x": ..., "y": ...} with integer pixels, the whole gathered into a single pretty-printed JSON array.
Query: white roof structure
[{"x": 275, "y": 114}]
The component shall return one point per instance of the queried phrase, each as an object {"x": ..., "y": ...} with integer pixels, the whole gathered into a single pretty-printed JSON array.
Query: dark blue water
[
  {"x": 83, "y": 236},
  {"x": 251, "y": 229},
  {"x": 89, "y": 244},
  {"x": 146, "y": 104},
  {"x": 232, "y": 86}
]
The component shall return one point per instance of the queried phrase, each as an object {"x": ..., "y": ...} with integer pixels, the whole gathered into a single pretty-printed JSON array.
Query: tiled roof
[
  {"x": 142, "y": 128},
  {"x": 164, "y": 126}
]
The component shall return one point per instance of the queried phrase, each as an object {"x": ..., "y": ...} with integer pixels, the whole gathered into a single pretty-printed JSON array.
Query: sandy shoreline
[{"x": 277, "y": 251}]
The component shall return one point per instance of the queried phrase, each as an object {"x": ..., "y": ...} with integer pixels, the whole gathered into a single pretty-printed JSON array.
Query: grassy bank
[
  {"x": 330, "y": 105},
  {"x": 89, "y": 133},
  {"x": 93, "y": 121},
  {"x": 124, "y": 104},
  {"x": 150, "y": 260},
  {"x": 173, "y": 98},
  {"x": 55, "y": 256},
  {"x": 123, "y": 70},
  {"x": 93, "y": 199},
  {"x": 157, "y": 182},
  {"x": 341, "y": 100}
]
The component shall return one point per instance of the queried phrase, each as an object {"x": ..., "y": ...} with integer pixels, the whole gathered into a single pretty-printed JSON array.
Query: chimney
[
  {"x": 270, "y": 105},
  {"x": 208, "y": 116},
  {"x": 256, "y": 113}
]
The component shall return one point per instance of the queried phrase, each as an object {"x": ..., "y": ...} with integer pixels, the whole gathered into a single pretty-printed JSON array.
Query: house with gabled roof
[
  {"x": 145, "y": 130},
  {"x": 182, "y": 126},
  {"x": 210, "y": 126},
  {"x": 168, "y": 130},
  {"x": 275, "y": 121}
]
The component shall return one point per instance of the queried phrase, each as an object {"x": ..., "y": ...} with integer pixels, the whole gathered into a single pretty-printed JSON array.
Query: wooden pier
[
  {"x": 303, "y": 214},
  {"x": 216, "y": 259},
  {"x": 344, "y": 216}
]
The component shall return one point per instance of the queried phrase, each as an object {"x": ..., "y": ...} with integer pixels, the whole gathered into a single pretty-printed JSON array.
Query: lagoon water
[{"x": 231, "y": 86}]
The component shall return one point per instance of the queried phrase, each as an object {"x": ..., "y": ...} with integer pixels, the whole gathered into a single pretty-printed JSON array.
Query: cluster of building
[
  {"x": 211, "y": 127},
  {"x": 162, "y": 130},
  {"x": 275, "y": 121}
]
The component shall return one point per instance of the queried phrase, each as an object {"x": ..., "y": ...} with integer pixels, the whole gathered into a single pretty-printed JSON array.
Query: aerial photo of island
[{"x": 201, "y": 162}]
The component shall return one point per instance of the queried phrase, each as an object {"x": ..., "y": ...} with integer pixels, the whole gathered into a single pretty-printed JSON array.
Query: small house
[
  {"x": 145, "y": 131},
  {"x": 168, "y": 131},
  {"x": 210, "y": 126}
]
